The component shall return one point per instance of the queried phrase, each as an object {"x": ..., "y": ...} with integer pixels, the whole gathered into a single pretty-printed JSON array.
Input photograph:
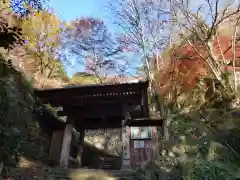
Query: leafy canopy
[{"x": 42, "y": 33}]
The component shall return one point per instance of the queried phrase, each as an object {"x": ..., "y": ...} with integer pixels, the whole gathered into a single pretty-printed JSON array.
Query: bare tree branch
[{"x": 205, "y": 33}]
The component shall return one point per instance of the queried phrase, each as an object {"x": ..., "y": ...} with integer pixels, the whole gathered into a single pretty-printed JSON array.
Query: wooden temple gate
[{"x": 94, "y": 107}]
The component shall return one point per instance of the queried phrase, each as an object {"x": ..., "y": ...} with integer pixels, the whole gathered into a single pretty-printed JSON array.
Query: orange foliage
[{"x": 187, "y": 65}]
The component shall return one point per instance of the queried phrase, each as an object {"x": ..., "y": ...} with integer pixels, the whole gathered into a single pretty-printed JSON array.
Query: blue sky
[
  {"x": 68, "y": 10},
  {"x": 71, "y": 9}
]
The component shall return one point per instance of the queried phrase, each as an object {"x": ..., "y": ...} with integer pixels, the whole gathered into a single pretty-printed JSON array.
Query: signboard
[
  {"x": 141, "y": 132},
  {"x": 138, "y": 144}
]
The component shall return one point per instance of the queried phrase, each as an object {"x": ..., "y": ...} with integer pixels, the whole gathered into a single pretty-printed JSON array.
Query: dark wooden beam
[
  {"x": 91, "y": 111},
  {"x": 95, "y": 110},
  {"x": 80, "y": 101},
  {"x": 92, "y": 89},
  {"x": 144, "y": 103},
  {"x": 144, "y": 122},
  {"x": 114, "y": 122},
  {"x": 92, "y": 94},
  {"x": 147, "y": 119},
  {"x": 98, "y": 126}
]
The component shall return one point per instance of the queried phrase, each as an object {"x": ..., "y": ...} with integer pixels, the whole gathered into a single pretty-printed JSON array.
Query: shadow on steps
[
  {"x": 95, "y": 158},
  {"x": 67, "y": 174}
]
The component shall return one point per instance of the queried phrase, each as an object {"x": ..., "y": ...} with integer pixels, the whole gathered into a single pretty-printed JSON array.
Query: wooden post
[
  {"x": 125, "y": 140},
  {"x": 144, "y": 103},
  {"x": 55, "y": 149},
  {"x": 80, "y": 146},
  {"x": 67, "y": 137}
]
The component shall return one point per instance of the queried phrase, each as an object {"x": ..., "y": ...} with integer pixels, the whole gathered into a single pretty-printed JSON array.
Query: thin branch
[{"x": 234, "y": 53}]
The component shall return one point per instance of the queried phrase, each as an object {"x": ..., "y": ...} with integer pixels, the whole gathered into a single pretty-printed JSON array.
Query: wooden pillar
[
  {"x": 144, "y": 103},
  {"x": 67, "y": 137},
  {"x": 80, "y": 146},
  {"x": 55, "y": 147},
  {"x": 125, "y": 141}
]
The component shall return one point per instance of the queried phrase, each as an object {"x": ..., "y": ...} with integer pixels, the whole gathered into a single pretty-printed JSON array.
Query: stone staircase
[{"x": 69, "y": 174}]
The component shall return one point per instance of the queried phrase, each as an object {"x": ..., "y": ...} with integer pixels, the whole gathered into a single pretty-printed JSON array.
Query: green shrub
[
  {"x": 145, "y": 175},
  {"x": 156, "y": 174},
  {"x": 15, "y": 109},
  {"x": 210, "y": 171},
  {"x": 20, "y": 134}
]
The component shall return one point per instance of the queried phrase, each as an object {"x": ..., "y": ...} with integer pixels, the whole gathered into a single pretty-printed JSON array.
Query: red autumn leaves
[{"x": 187, "y": 63}]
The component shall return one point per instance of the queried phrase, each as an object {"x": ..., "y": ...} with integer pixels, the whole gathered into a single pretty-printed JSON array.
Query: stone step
[
  {"x": 70, "y": 174},
  {"x": 109, "y": 163}
]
